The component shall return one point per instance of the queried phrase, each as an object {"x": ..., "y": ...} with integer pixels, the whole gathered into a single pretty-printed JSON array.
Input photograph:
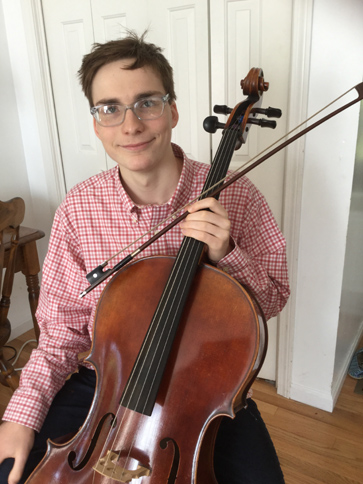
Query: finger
[
  {"x": 208, "y": 221},
  {"x": 207, "y": 226},
  {"x": 218, "y": 242},
  {"x": 200, "y": 235},
  {"x": 207, "y": 203}
]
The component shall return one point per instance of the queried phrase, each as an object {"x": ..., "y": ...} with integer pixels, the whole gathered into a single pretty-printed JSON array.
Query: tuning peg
[
  {"x": 211, "y": 124},
  {"x": 269, "y": 112},
  {"x": 262, "y": 122},
  {"x": 222, "y": 109}
]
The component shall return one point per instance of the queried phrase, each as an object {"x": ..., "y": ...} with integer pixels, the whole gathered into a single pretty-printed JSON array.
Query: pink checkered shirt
[{"x": 95, "y": 220}]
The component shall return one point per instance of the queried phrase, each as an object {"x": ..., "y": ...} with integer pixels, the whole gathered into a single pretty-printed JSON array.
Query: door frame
[{"x": 32, "y": 51}]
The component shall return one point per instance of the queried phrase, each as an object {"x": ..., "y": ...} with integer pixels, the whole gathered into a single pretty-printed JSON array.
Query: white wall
[
  {"x": 351, "y": 306},
  {"x": 13, "y": 170},
  {"x": 336, "y": 65},
  {"x": 37, "y": 178},
  {"x": 12, "y": 153}
]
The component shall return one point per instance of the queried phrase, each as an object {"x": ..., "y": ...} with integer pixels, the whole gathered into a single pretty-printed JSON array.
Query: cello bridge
[{"x": 108, "y": 467}]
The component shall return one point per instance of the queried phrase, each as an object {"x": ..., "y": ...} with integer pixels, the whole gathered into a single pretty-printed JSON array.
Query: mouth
[{"x": 141, "y": 145}]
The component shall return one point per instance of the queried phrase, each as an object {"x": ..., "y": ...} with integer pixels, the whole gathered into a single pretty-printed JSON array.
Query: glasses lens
[
  {"x": 149, "y": 108},
  {"x": 110, "y": 114}
]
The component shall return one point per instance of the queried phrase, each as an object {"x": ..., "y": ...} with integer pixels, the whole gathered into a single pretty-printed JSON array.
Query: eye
[
  {"x": 147, "y": 103},
  {"x": 110, "y": 109}
]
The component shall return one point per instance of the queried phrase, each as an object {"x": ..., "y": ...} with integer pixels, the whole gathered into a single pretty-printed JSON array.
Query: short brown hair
[{"x": 130, "y": 47}]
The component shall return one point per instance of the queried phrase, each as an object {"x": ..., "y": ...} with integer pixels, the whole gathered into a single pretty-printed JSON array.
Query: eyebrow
[{"x": 139, "y": 96}]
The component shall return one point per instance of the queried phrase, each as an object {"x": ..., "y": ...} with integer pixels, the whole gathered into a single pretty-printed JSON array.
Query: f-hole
[
  {"x": 175, "y": 466},
  {"x": 72, "y": 455}
]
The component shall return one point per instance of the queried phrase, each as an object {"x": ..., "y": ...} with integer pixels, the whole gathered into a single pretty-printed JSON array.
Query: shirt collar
[{"x": 181, "y": 194}]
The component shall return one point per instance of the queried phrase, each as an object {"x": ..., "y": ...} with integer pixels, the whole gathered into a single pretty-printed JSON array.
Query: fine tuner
[{"x": 211, "y": 123}]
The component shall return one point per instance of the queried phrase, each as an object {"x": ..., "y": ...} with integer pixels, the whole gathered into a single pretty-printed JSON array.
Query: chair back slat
[{"x": 11, "y": 213}]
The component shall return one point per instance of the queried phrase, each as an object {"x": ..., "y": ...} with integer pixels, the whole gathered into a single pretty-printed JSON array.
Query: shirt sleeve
[
  {"x": 258, "y": 260},
  {"x": 63, "y": 319}
]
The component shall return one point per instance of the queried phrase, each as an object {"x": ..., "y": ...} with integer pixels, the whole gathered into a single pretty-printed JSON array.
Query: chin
[{"x": 137, "y": 166}]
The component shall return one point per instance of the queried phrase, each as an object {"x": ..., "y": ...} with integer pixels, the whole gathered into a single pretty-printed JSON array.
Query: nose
[{"x": 131, "y": 123}]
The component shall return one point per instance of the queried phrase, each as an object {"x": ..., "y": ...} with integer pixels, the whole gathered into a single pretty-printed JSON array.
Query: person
[{"x": 129, "y": 85}]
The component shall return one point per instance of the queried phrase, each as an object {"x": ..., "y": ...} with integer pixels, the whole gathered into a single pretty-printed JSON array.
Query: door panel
[
  {"x": 112, "y": 18},
  {"x": 69, "y": 31}
]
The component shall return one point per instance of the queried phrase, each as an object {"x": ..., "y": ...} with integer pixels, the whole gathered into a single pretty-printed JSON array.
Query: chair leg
[
  {"x": 8, "y": 375},
  {"x": 32, "y": 282}
]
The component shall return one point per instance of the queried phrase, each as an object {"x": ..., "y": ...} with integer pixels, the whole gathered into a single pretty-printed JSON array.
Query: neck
[{"x": 155, "y": 187}]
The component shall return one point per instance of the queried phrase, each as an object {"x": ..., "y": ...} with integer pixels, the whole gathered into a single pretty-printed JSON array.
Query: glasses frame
[{"x": 132, "y": 107}]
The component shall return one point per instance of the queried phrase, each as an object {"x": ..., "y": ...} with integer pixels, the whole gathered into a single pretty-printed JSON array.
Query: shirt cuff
[
  {"x": 26, "y": 411},
  {"x": 236, "y": 259}
]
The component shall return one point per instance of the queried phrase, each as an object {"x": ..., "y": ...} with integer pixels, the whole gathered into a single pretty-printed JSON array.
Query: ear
[{"x": 174, "y": 114}]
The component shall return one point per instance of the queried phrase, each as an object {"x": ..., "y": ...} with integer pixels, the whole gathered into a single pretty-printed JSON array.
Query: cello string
[
  {"x": 186, "y": 262},
  {"x": 230, "y": 175}
]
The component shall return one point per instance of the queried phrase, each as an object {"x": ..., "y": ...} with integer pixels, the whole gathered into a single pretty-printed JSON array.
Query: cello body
[{"x": 215, "y": 357}]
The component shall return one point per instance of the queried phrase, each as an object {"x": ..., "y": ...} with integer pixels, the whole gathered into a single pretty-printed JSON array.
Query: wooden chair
[{"x": 11, "y": 216}]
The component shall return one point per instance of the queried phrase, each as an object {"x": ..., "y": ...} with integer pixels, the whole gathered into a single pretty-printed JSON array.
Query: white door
[{"x": 211, "y": 45}]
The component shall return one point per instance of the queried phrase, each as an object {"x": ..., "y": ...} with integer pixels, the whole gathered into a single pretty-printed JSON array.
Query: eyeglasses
[{"x": 151, "y": 107}]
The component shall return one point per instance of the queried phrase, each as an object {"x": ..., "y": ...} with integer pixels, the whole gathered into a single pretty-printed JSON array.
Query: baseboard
[
  {"x": 340, "y": 377},
  {"x": 21, "y": 329},
  {"x": 312, "y": 397},
  {"x": 326, "y": 400}
]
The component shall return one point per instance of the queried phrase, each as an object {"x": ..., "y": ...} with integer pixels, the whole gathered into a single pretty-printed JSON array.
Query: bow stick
[{"x": 98, "y": 275}]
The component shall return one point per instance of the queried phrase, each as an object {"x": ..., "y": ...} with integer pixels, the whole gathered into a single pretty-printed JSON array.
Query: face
[{"x": 135, "y": 145}]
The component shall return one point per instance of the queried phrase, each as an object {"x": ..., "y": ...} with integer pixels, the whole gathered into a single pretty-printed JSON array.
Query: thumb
[{"x": 17, "y": 470}]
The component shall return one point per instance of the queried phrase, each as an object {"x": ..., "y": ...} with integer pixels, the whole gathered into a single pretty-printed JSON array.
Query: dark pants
[{"x": 244, "y": 452}]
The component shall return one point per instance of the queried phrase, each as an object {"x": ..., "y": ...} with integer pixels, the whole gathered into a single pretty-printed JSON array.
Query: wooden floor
[{"x": 314, "y": 447}]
